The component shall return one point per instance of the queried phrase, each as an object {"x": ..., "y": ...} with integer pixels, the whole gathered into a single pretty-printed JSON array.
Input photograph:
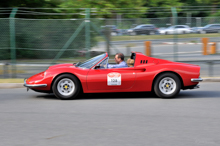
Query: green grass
[
  {"x": 9, "y": 71},
  {"x": 11, "y": 80},
  {"x": 152, "y": 37}
]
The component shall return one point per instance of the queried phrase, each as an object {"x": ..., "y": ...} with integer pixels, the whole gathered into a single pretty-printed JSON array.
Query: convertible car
[{"x": 144, "y": 73}]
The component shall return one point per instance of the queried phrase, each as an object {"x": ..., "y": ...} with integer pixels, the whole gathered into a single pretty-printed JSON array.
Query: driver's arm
[{"x": 113, "y": 66}]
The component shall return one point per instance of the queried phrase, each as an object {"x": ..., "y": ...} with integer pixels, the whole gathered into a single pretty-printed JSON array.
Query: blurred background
[{"x": 40, "y": 33}]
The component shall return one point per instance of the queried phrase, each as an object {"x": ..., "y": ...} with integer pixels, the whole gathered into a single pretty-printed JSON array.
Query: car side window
[
  {"x": 146, "y": 26},
  {"x": 216, "y": 26}
]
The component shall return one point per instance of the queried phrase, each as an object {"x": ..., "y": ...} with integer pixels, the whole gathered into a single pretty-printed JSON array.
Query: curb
[{"x": 21, "y": 85}]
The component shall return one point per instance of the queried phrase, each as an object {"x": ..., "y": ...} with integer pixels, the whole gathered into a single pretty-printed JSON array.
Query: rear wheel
[
  {"x": 167, "y": 85},
  {"x": 66, "y": 87}
]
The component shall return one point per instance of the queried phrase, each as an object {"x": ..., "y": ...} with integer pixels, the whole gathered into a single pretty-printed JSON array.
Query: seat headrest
[{"x": 130, "y": 62}]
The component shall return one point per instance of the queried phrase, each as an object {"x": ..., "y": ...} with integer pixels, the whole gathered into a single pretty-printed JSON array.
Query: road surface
[{"x": 119, "y": 119}]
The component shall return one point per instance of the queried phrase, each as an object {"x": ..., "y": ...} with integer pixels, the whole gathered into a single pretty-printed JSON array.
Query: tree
[
  {"x": 107, "y": 8},
  {"x": 30, "y": 3},
  {"x": 214, "y": 4},
  {"x": 165, "y": 7}
]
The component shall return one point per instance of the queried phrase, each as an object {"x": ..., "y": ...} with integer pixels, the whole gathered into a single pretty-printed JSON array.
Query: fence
[{"x": 47, "y": 41}]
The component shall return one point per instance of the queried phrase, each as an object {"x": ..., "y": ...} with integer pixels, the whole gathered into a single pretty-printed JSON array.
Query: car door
[
  {"x": 141, "y": 30},
  {"x": 146, "y": 29},
  {"x": 210, "y": 29},
  {"x": 179, "y": 29},
  {"x": 111, "y": 78},
  {"x": 173, "y": 30},
  {"x": 218, "y": 28}
]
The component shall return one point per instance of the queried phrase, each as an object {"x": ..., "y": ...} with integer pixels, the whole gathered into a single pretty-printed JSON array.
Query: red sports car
[{"x": 144, "y": 73}]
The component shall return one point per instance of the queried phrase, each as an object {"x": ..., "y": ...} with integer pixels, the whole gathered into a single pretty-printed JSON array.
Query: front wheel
[
  {"x": 167, "y": 85},
  {"x": 66, "y": 87}
]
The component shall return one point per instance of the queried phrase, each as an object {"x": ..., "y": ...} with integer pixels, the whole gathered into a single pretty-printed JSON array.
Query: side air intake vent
[{"x": 143, "y": 61}]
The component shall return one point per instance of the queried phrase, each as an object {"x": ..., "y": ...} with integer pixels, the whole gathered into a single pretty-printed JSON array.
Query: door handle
[{"x": 141, "y": 69}]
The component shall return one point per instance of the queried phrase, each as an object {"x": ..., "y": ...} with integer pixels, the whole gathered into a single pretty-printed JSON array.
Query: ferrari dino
[{"x": 164, "y": 78}]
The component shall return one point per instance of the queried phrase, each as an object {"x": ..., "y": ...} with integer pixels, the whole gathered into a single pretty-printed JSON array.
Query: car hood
[{"x": 61, "y": 65}]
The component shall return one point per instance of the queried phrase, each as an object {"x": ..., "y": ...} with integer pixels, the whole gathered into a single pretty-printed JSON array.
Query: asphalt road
[{"x": 125, "y": 119}]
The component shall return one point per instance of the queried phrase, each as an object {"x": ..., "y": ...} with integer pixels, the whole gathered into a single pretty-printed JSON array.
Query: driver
[{"x": 119, "y": 59}]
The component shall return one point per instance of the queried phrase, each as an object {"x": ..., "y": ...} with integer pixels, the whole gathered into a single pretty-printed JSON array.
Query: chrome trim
[
  {"x": 197, "y": 79},
  {"x": 34, "y": 85}
]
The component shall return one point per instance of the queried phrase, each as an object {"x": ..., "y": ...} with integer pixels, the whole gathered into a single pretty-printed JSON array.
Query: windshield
[
  {"x": 207, "y": 25},
  {"x": 91, "y": 62},
  {"x": 139, "y": 26},
  {"x": 170, "y": 27}
]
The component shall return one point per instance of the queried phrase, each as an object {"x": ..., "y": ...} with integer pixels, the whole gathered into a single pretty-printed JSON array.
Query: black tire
[
  {"x": 166, "y": 82},
  {"x": 68, "y": 84},
  {"x": 166, "y": 33}
]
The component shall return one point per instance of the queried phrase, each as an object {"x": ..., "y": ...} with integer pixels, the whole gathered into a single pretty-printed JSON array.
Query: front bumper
[
  {"x": 197, "y": 79},
  {"x": 33, "y": 85}
]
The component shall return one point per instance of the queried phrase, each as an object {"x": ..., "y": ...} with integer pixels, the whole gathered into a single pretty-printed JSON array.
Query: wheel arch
[
  {"x": 180, "y": 78},
  {"x": 62, "y": 74}
]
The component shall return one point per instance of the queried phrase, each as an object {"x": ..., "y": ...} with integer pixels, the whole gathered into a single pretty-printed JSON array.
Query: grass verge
[{"x": 11, "y": 80}]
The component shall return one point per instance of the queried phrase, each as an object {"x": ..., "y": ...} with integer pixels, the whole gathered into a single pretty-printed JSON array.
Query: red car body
[{"x": 138, "y": 78}]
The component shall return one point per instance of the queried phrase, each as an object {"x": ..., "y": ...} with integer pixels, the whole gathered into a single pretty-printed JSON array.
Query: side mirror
[{"x": 97, "y": 67}]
